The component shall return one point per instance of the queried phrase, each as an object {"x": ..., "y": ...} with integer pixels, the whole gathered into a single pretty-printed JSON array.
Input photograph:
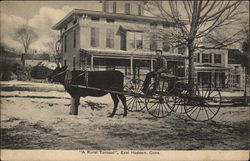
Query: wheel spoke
[
  {"x": 162, "y": 110},
  {"x": 209, "y": 108},
  {"x": 152, "y": 106},
  {"x": 131, "y": 101},
  {"x": 140, "y": 106},
  {"x": 194, "y": 109},
  {"x": 155, "y": 108},
  {"x": 198, "y": 113},
  {"x": 159, "y": 110},
  {"x": 130, "y": 98},
  {"x": 136, "y": 104},
  {"x": 165, "y": 107},
  {"x": 206, "y": 113}
]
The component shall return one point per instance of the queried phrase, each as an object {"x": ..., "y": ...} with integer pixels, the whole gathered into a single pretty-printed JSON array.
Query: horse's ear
[{"x": 59, "y": 65}]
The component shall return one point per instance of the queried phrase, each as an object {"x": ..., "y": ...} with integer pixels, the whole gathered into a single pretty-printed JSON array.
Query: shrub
[
  {"x": 40, "y": 72},
  {"x": 10, "y": 71}
]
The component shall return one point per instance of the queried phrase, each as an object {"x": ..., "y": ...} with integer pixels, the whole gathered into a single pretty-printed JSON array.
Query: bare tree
[
  {"x": 195, "y": 20},
  {"x": 25, "y": 35},
  {"x": 53, "y": 45}
]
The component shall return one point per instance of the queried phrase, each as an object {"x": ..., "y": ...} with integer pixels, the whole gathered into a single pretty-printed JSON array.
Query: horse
[{"x": 107, "y": 80}]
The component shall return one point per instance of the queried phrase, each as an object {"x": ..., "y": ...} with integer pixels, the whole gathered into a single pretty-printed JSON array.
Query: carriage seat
[{"x": 167, "y": 77}]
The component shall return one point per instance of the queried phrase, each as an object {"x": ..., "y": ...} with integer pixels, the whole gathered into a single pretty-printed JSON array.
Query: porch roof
[
  {"x": 209, "y": 68},
  {"x": 121, "y": 54},
  {"x": 132, "y": 28}
]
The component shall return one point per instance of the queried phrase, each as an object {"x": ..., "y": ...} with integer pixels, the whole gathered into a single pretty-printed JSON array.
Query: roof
[
  {"x": 208, "y": 67},
  {"x": 6, "y": 53},
  {"x": 74, "y": 12},
  {"x": 111, "y": 53},
  {"x": 132, "y": 28},
  {"x": 35, "y": 56}
]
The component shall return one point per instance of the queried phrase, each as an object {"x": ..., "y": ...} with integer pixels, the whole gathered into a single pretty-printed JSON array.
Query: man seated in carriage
[{"x": 160, "y": 70}]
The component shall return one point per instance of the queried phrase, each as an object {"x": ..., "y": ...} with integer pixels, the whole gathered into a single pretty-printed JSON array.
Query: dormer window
[
  {"x": 95, "y": 19},
  {"x": 75, "y": 21},
  {"x": 127, "y": 8},
  {"x": 153, "y": 25},
  {"x": 110, "y": 20}
]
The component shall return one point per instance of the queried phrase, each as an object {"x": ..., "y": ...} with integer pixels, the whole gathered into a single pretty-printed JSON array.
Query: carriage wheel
[
  {"x": 159, "y": 102},
  {"x": 179, "y": 102},
  {"x": 134, "y": 103},
  {"x": 205, "y": 103}
]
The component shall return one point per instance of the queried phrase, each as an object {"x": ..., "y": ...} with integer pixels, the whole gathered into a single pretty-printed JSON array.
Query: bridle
[{"x": 59, "y": 74}]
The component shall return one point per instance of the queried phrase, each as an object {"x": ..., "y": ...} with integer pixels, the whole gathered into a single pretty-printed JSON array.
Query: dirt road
[{"x": 44, "y": 123}]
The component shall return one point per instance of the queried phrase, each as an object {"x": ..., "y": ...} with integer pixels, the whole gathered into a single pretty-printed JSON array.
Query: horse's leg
[
  {"x": 74, "y": 105},
  {"x": 116, "y": 101},
  {"x": 123, "y": 99}
]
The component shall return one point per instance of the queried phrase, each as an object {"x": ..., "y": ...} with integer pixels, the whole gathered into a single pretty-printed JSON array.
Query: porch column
[
  {"x": 131, "y": 66},
  {"x": 92, "y": 63},
  {"x": 151, "y": 64},
  {"x": 85, "y": 63}
]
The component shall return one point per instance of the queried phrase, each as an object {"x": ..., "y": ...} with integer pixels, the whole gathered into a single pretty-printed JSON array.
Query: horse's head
[{"x": 58, "y": 74}]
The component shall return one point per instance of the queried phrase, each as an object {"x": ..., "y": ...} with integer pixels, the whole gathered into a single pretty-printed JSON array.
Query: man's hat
[{"x": 158, "y": 50}]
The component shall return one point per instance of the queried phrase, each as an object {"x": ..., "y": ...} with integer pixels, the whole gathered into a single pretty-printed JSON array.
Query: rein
[{"x": 58, "y": 74}]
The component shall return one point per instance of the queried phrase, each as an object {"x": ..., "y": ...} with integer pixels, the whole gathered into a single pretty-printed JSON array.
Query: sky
[{"x": 41, "y": 16}]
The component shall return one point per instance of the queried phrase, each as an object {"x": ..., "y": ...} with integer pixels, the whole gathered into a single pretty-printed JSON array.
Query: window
[
  {"x": 94, "y": 42},
  {"x": 135, "y": 40},
  {"x": 65, "y": 43},
  {"x": 181, "y": 50},
  {"x": 127, "y": 8},
  {"x": 110, "y": 20},
  {"x": 153, "y": 43},
  {"x": 196, "y": 57},
  {"x": 139, "y": 10},
  {"x": 114, "y": 7},
  {"x": 95, "y": 19},
  {"x": 206, "y": 58},
  {"x": 217, "y": 58},
  {"x": 74, "y": 63},
  {"x": 110, "y": 38},
  {"x": 74, "y": 38},
  {"x": 165, "y": 46},
  {"x": 166, "y": 25},
  {"x": 105, "y": 6}
]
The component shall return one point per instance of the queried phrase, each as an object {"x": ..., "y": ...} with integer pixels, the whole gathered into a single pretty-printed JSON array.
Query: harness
[
  {"x": 58, "y": 74},
  {"x": 68, "y": 77}
]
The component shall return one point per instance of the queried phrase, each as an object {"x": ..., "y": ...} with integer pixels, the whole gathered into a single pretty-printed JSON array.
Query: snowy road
[{"x": 38, "y": 123}]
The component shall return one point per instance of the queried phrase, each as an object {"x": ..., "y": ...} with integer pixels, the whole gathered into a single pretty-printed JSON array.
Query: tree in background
[
  {"x": 25, "y": 35},
  {"x": 53, "y": 45},
  {"x": 195, "y": 20}
]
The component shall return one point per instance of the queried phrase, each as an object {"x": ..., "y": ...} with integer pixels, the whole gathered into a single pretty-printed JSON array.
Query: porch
[{"x": 133, "y": 64}]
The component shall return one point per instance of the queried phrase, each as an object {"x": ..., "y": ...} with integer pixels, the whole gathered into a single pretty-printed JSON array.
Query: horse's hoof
[
  {"x": 125, "y": 115},
  {"x": 110, "y": 116}
]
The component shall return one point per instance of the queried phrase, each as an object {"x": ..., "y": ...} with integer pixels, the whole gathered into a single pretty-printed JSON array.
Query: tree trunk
[{"x": 191, "y": 69}]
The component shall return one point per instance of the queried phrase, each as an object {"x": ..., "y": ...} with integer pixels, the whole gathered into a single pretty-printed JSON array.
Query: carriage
[{"x": 171, "y": 95}]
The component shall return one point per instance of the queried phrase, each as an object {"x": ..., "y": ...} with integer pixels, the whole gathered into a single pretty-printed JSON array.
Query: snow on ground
[{"x": 32, "y": 122}]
